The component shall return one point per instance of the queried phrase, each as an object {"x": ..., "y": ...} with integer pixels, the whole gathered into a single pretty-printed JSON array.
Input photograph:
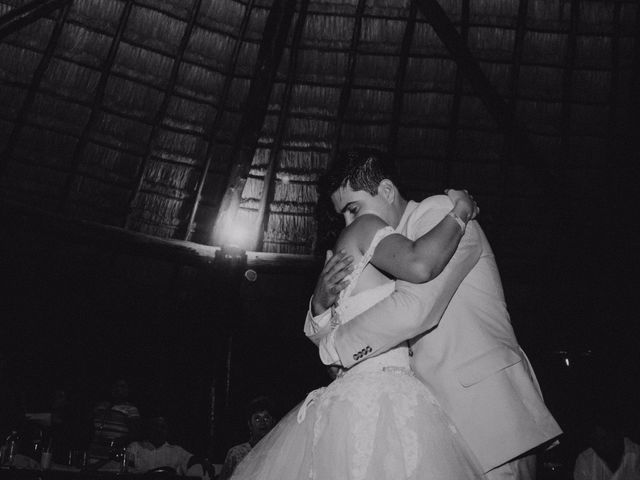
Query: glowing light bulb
[{"x": 238, "y": 235}]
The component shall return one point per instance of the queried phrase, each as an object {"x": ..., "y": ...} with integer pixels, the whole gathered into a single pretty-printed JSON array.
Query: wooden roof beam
[
  {"x": 398, "y": 94},
  {"x": 567, "y": 78},
  {"x": 509, "y": 152},
  {"x": 345, "y": 94},
  {"x": 115, "y": 239},
  {"x": 217, "y": 121},
  {"x": 36, "y": 81},
  {"x": 162, "y": 109},
  {"x": 612, "y": 126},
  {"x": 452, "y": 140},
  {"x": 96, "y": 104},
  {"x": 24, "y": 15},
  {"x": 269, "y": 56},
  {"x": 495, "y": 104},
  {"x": 270, "y": 175}
]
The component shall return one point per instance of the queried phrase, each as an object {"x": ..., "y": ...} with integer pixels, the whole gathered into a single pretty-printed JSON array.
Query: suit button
[{"x": 355, "y": 356}]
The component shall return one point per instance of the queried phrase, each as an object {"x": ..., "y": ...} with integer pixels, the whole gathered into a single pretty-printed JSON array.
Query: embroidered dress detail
[
  {"x": 375, "y": 421},
  {"x": 337, "y": 309}
]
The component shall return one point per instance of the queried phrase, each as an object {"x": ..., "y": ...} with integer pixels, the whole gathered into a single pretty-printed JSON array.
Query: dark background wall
[
  {"x": 80, "y": 310},
  {"x": 82, "y": 304}
]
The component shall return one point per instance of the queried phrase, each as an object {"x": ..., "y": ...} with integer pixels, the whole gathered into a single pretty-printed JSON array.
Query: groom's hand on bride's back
[{"x": 331, "y": 281}]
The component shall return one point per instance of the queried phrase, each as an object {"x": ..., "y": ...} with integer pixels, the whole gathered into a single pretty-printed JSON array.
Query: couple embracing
[{"x": 433, "y": 383}]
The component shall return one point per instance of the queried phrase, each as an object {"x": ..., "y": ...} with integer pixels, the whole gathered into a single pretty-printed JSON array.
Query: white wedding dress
[{"x": 374, "y": 422}]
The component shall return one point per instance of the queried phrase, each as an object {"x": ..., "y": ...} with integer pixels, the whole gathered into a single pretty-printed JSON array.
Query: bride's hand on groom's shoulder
[
  {"x": 466, "y": 207},
  {"x": 331, "y": 281}
]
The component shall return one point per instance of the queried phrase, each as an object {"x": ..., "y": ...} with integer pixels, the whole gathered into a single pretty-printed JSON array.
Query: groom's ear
[{"x": 387, "y": 190}]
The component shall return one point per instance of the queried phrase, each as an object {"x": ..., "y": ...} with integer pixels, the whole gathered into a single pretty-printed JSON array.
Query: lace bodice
[
  {"x": 349, "y": 306},
  {"x": 375, "y": 421}
]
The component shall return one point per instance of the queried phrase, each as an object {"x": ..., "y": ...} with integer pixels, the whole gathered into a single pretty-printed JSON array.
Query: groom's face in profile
[{"x": 352, "y": 204}]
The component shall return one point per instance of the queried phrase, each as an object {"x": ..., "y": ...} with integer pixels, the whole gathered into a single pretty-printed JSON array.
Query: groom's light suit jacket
[{"x": 469, "y": 356}]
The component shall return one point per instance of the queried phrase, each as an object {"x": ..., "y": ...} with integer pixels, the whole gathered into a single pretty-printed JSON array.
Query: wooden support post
[
  {"x": 345, "y": 94},
  {"x": 398, "y": 94},
  {"x": 567, "y": 81},
  {"x": 271, "y": 50},
  {"x": 510, "y": 148},
  {"x": 21, "y": 16},
  {"x": 96, "y": 105},
  {"x": 452, "y": 140},
  {"x": 162, "y": 110},
  {"x": 211, "y": 132},
  {"x": 270, "y": 176}
]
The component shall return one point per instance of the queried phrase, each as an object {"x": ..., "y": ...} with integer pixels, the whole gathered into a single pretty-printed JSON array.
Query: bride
[{"x": 376, "y": 421}]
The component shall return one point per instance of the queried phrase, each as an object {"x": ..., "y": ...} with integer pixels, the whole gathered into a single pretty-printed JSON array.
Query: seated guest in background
[
  {"x": 27, "y": 439},
  {"x": 155, "y": 452},
  {"x": 260, "y": 419},
  {"x": 115, "y": 423},
  {"x": 62, "y": 429},
  {"x": 612, "y": 456},
  {"x": 12, "y": 410}
]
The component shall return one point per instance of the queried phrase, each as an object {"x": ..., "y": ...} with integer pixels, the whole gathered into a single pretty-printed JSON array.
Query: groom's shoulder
[
  {"x": 434, "y": 202},
  {"x": 421, "y": 216}
]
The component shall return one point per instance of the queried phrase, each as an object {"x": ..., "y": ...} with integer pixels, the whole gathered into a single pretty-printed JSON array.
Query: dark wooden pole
[
  {"x": 19, "y": 17},
  {"x": 452, "y": 139},
  {"x": 345, "y": 93},
  {"x": 497, "y": 107},
  {"x": 269, "y": 56},
  {"x": 213, "y": 128},
  {"x": 268, "y": 191},
  {"x": 34, "y": 87},
  {"x": 162, "y": 111},
  {"x": 401, "y": 73},
  {"x": 96, "y": 106}
]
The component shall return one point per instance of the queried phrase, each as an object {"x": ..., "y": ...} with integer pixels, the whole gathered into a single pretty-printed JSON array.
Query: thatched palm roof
[{"x": 149, "y": 115}]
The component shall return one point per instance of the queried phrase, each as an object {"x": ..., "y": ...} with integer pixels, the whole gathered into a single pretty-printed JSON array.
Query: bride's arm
[{"x": 423, "y": 259}]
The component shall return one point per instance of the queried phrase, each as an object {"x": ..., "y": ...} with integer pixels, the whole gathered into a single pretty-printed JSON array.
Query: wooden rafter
[
  {"x": 34, "y": 87},
  {"x": 271, "y": 49},
  {"x": 509, "y": 151},
  {"x": 270, "y": 176},
  {"x": 140, "y": 244},
  {"x": 494, "y": 103},
  {"x": 398, "y": 93},
  {"x": 452, "y": 140},
  {"x": 615, "y": 77},
  {"x": 96, "y": 104},
  {"x": 217, "y": 121},
  {"x": 19, "y": 17},
  {"x": 162, "y": 109},
  {"x": 345, "y": 93},
  {"x": 567, "y": 78}
]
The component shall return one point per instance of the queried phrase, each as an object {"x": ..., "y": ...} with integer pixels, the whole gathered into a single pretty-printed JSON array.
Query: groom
[{"x": 463, "y": 346}]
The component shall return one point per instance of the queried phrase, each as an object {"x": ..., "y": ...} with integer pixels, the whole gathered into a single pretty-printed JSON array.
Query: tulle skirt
[{"x": 371, "y": 425}]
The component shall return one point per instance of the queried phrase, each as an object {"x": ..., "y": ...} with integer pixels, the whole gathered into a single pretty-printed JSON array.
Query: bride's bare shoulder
[{"x": 356, "y": 237}]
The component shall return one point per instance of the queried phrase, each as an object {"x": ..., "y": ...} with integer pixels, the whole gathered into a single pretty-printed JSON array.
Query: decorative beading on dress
[{"x": 376, "y": 421}]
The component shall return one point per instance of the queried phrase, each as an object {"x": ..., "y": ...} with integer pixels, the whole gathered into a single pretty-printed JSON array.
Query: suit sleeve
[
  {"x": 413, "y": 308},
  {"x": 315, "y": 328}
]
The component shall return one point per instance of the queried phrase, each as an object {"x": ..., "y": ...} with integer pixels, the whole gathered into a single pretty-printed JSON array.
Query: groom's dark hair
[{"x": 361, "y": 169}]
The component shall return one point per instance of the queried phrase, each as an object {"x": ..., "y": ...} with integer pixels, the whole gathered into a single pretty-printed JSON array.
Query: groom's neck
[{"x": 400, "y": 207}]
